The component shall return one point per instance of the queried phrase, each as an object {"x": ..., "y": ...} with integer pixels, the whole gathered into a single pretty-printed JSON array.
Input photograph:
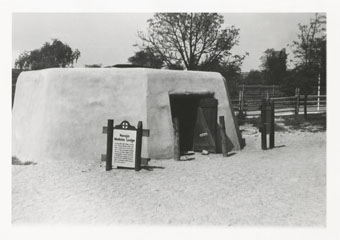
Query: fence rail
[{"x": 250, "y": 106}]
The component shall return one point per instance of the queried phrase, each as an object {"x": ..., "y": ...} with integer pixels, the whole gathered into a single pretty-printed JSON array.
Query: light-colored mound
[{"x": 59, "y": 113}]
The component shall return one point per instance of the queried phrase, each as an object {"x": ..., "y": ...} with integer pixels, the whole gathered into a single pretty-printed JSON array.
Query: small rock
[
  {"x": 205, "y": 152},
  {"x": 189, "y": 153},
  {"x": 186, "y": 158}
]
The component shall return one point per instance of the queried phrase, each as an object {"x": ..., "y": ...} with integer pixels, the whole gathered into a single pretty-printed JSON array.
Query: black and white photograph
[{"x": 162, "y": 118}]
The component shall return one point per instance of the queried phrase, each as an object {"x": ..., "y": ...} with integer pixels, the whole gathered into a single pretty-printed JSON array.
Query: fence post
[
  {"x": 109, "y": 141},
  {"x": 263, "y": 125},
  {"x": 297, "y": 95},
  {"x": 318, "y": 101},
  {"x": 223, "y": 136},
  {"x": 272, "y": 125},
  {"x": 241, "y": 104},
  {"x": 305, "y": 106}
]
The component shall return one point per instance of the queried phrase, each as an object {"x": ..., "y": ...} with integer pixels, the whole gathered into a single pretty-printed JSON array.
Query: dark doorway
[{"x": 197, "y": 122}]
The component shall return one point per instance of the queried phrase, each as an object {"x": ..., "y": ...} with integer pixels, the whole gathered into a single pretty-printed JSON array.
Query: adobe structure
[{"x": 59, "y": 113}]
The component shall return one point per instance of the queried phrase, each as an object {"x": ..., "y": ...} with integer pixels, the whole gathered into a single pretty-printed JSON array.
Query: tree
[
  {"x": 231, "y": 71},
  {"x": 254, "y": 77},
  {"x": 274, "y": 65},
  {"x": 189, "y": 40},
  {"x": 55, "y": 54},
  {"x": 146, "y": 58},
  {"x": 310, "y": 52},
  {"x": 310, "y": 55}
]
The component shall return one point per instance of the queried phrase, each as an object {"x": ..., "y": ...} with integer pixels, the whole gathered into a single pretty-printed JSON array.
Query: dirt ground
[{"x": 285, "y": 186}]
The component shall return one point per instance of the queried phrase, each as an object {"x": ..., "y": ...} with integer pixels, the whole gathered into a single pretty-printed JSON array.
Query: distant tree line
[
  {"x": 197, "y": 41},
  {"x": 310, "y": 57},
  {"x": 55, "y": 54},
  {"x": 273, "y": 69},
  {"x": 50, "y": 55},
  {"x": 309, "y": 61}
]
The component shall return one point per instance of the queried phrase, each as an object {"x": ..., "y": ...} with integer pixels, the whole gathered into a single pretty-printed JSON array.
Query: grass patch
[
  {"x": 256, "y": 122},
  {"x": 314, "y": 123}
]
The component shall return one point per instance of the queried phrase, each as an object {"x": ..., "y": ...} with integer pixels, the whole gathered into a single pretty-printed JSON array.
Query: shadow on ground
[
  {"x": 151, "y": 168},
  {"x": 16, "y": 161}
]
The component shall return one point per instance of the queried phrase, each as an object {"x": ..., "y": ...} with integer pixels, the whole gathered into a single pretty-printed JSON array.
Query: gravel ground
[{"x": 285, "y": 186}]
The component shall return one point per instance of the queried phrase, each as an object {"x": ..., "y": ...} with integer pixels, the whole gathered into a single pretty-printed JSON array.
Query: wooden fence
[
  {"x": 285, "y": 105},
  {"x": 256, "y": 90}
]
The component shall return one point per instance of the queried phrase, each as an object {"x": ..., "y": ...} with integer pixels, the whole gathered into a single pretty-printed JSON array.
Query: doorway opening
[{"x": 194, "y": 119}]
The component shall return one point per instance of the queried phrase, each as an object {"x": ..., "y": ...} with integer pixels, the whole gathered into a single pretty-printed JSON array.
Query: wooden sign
[{"x": 124, "y": 145}]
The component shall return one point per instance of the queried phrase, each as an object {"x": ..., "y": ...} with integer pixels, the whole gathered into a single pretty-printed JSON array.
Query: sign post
[
  {"x": 138, "y": 158},
  {"x": 109, "y": 145}
]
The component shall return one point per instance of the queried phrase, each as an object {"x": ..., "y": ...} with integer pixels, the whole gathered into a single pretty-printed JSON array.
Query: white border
[{"x": 138, "y": 232}]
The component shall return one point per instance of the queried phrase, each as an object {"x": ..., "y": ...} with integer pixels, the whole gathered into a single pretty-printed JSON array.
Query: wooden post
[
  {"x": 223, "y": 136},
  {"x": 139, "y": 146},
  {"x": 296, "y": 100},
  {"x": 109, "y": 144},
  {"x": 318, "y": 101},
  {"x": 263, "y": 125},
  {"x": 305, "y": 107},
  {"x": 242, "y": 104},
  {"x": 297, "y": 107},
  {"x": 177, "y": 152},
  {"x": 272, "y": 126}
]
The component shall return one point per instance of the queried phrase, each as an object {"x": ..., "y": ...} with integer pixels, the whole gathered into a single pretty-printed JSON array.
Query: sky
[{"x": 108, "y": 38}]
